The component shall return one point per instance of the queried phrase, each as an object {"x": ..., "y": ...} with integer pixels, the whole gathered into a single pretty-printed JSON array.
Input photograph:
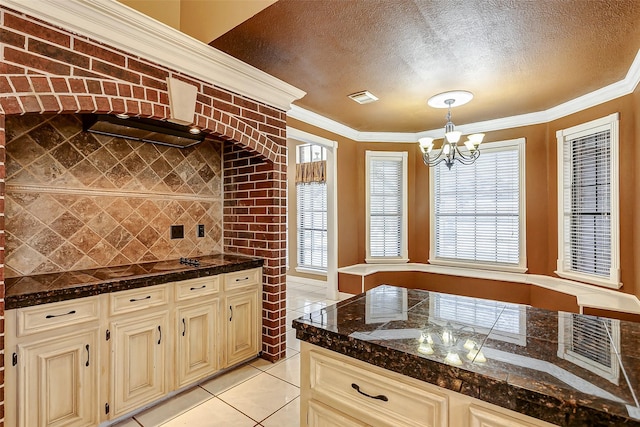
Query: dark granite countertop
[
  {"x": 45, "y": 288},
  {"x": 567, "y": 369}
]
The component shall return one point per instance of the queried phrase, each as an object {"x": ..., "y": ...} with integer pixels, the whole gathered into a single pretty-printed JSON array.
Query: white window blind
[
  {"x": 587, "y": 211},
  {"x": 311, "y": 214},
  {"x": 478, "y": 209},
  {"x": 312, "y": 225},
  {"x": 386, "y": 205},
  {"x": 588, "y": 248}
]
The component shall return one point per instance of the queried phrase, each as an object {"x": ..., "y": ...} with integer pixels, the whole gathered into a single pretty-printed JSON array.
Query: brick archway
[
  {"x": 46, "y": 69},
  {"x": 67, "y": 95}
]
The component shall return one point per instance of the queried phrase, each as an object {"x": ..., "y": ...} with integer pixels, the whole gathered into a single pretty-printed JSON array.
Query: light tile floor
[{"x": 258, "y": 393}]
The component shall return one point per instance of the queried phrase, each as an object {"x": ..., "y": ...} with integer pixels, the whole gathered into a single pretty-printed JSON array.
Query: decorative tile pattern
[{"x": 77, "y": 200}]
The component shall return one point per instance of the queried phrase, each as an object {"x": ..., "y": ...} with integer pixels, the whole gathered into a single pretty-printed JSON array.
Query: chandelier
[{"x": 450, "y": 151}]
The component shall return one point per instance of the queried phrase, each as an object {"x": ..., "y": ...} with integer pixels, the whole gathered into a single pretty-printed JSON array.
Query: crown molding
[
  {"x": 299, "y": 113},
  {"x": 309, "y": 138},
  {"x": 122, "y": 27},
  {"x": 599, "y": 96}
]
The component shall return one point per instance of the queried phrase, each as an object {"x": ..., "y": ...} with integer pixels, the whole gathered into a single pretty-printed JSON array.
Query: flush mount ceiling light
[
  {"x": 450, "y": 151},
  {"x": 363, "y": 97}
]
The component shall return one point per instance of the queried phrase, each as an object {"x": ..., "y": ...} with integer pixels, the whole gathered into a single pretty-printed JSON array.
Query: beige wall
[
  {"x": 541, "y": 191},
  {"x": 166, "y": 11},
  {"x": 201, "y": 19}
]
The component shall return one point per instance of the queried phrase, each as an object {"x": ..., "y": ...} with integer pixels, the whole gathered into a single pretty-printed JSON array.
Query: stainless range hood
[{"x": 144, "y": 130}]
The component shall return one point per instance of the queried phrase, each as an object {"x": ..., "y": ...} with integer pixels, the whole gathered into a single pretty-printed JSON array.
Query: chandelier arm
[
  {"x": 466, "y": 156},
  {"x": 468, "y": 159},
  {"x": 432, "y": 161}
]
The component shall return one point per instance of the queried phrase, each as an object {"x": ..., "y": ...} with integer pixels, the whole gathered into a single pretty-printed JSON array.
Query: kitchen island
[{"x": 396, "y": 356}]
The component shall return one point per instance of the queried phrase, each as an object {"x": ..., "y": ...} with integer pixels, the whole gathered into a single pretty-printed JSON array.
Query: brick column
[
  {"x": 255, "y": 224},
  {"x": 2, "y": 177}
]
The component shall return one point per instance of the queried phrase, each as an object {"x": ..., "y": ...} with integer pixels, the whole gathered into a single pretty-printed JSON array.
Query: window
[
  {"x": 588, "y": 202},
  {"x": 386, "y": 206},
  {"x": 312, "y": 211},
  {"x": 478, "y": 210}
]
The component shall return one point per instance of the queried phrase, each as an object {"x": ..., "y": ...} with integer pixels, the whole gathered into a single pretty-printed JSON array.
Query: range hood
[{"x": 144, "y": 130}]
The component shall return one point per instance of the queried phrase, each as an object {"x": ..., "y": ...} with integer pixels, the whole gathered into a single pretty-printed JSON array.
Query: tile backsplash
[{"x": 76, "y": 200}]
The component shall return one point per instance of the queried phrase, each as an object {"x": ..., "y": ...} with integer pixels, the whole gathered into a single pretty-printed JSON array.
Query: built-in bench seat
[{"x": 537, "y": 290}]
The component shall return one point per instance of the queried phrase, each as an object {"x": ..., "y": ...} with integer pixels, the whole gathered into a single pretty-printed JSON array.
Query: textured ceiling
[{"x": 516, "y": 56}]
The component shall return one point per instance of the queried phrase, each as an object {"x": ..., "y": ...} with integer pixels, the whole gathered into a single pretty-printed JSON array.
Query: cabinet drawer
[
  {"x": 374, "y": 398},
  {"x": 195, "y": 288},
  {"x": 31, "y": 320},
  {"x": 320, "y": 415},
  {"x": 483, "y": 417},
  {"x": 137, "y": 299},
  {"x": 243, "y": 278}
]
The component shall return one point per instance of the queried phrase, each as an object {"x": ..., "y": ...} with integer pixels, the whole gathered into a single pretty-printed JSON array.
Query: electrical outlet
[
  {"x": 200, "y": 230},
  {"x": 177, "y": 231}
]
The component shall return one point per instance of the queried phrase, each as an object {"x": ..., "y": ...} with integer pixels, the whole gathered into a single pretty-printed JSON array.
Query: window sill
[
  {"x": 479, "y": 266},
  {"x": 386, "y": 260},
  {"x": 585, "y": 278},
  {"x": 313, "y": 271}
]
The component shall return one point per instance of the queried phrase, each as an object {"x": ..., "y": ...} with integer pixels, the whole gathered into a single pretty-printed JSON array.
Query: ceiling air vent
[{"x": 363, "y": 97}]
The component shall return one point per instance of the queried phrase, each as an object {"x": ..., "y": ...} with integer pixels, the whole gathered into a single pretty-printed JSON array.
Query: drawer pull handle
[
  {"x": 51, "y": 316},
  {"x": 140, "y": 299},
  {"x": 160, "y": 339},
  {"x": 378, "y": 397},
  {"x": 184, "y": 327},
  {"x": 88, "y": 354},
  {"x": 201, "y": 287},
  {"x": 243, "y": 279},
  {"x": 231, "y": 309}
]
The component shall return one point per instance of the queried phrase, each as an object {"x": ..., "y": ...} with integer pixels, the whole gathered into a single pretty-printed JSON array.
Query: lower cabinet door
[
  {"x": 320, "y": 415},
  {"x": 243, "y": 330},
  {"x": 59, "y": 381},
  {"x": 196, "y": 349},
  {"x": 138, "y": 361}
]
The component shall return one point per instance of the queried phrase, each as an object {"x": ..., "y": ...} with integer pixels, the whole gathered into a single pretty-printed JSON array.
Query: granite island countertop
[
  {"x": 45, "y": 288},
  {"x": 564, "y": 368}
]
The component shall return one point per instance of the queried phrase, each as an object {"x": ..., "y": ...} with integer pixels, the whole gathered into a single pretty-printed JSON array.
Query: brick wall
[
  {"x": 46, "y": 69},
  {"x": 2, "y": 175}
]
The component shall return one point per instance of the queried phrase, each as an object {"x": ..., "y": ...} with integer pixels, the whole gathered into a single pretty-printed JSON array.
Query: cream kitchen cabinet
[
  {"x": 338, "y": 391},
  {"x": 53, "y": 362},
  {"x": 198, "y": 332},
  {"x": 370, "y": 396},
  {"x": 244, "y": 317},
  {"x": 139, "y": 360},
  {"x": 90, "y": 360}
]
